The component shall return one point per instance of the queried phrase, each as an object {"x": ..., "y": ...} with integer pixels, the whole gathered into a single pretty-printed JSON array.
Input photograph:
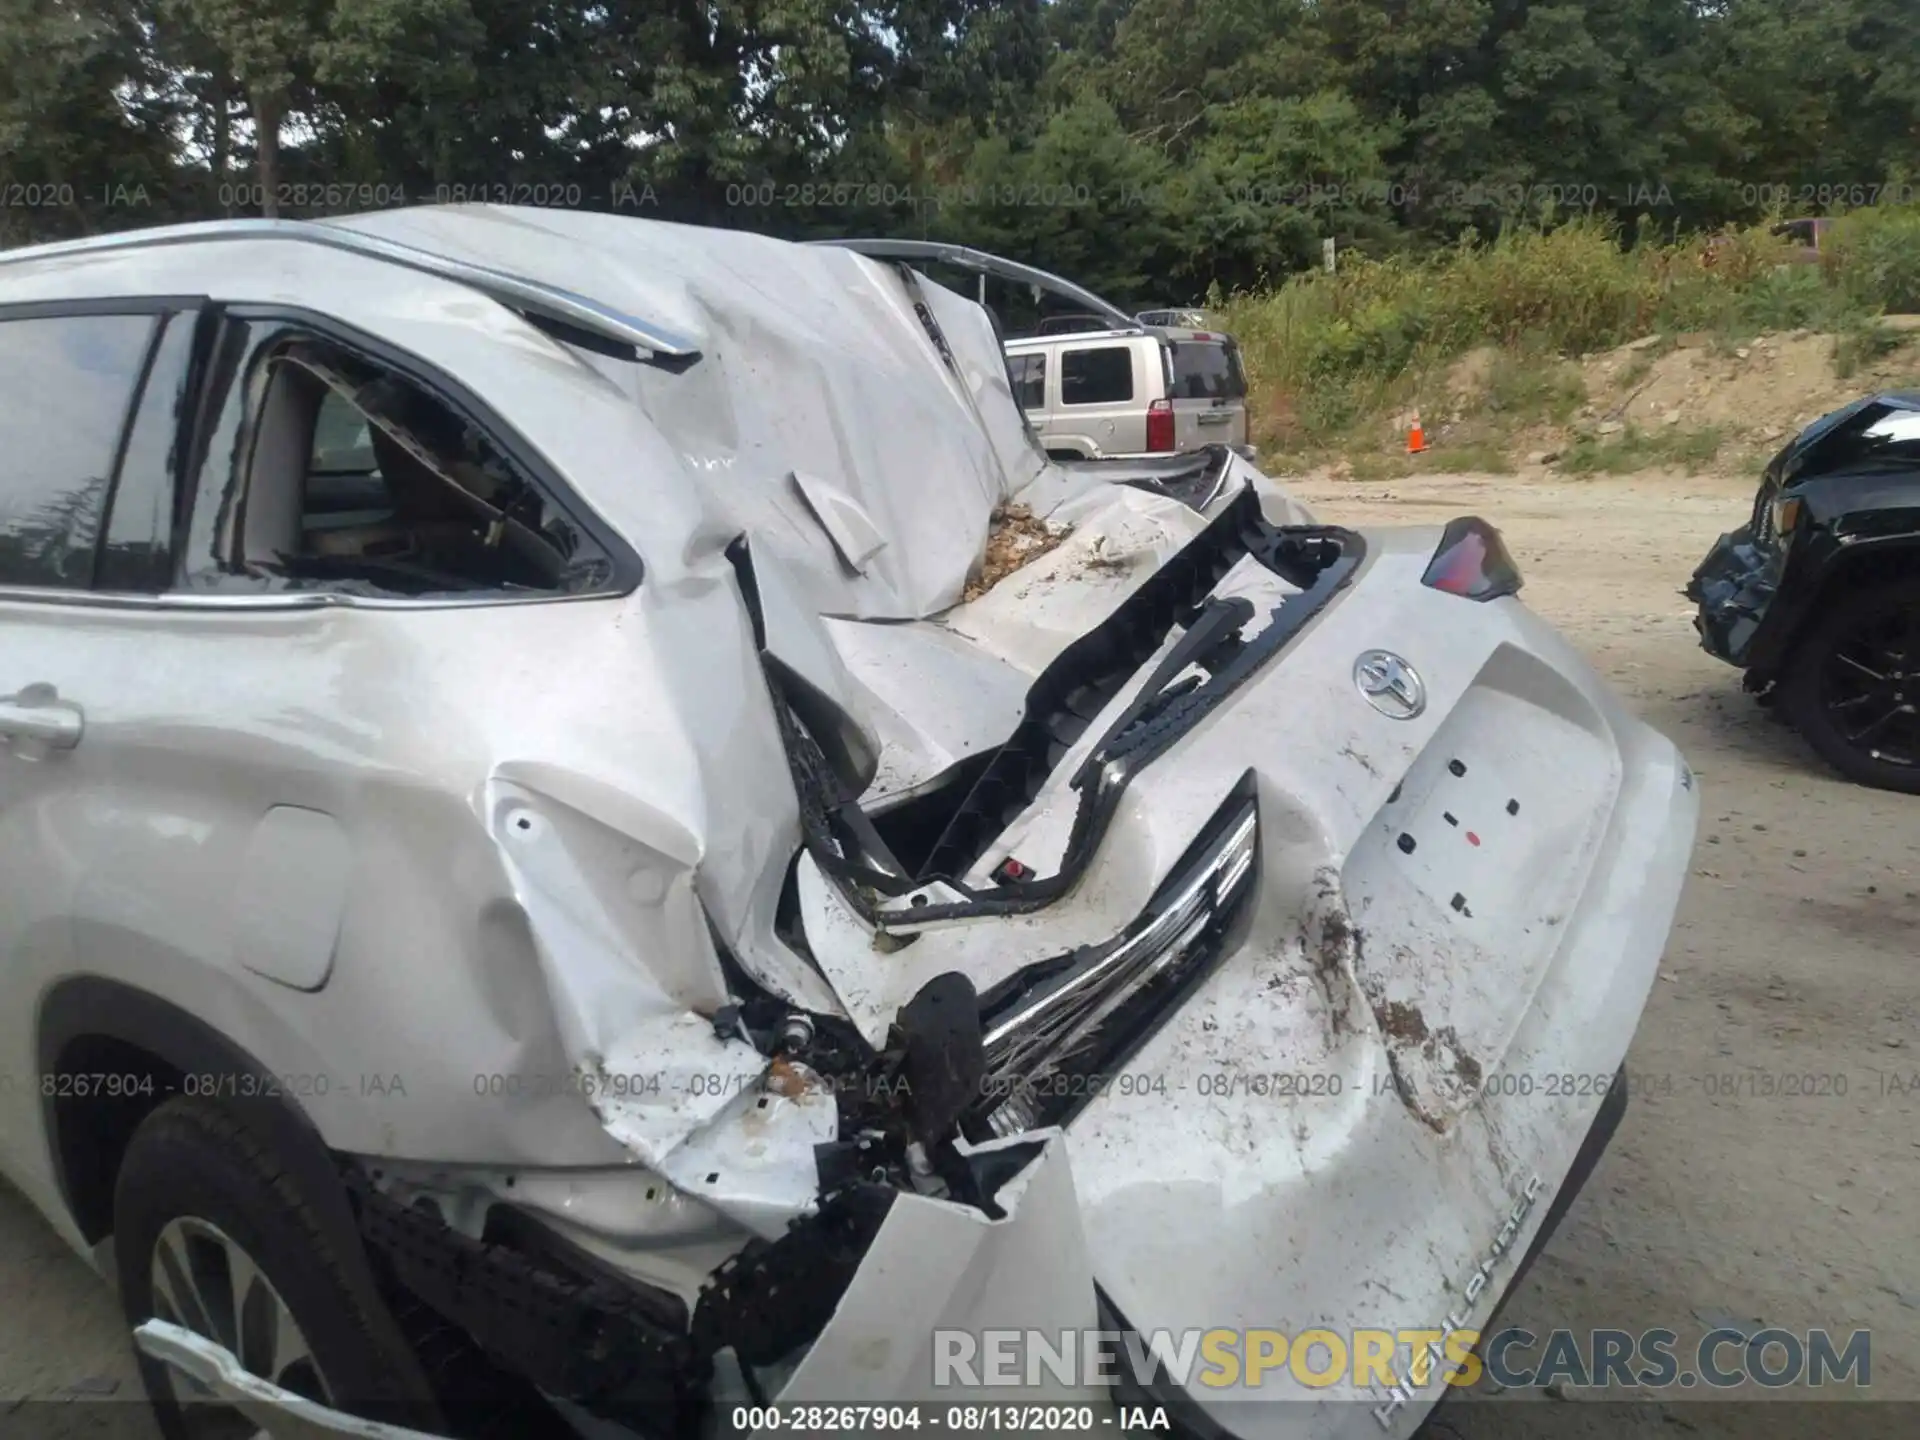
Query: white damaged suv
[{"x": 591, "y": 831}]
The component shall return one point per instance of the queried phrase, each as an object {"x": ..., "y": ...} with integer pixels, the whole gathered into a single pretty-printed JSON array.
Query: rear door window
[
  {"x": 1029, "y": 376},
  {"x": 333, "y": 470},
  {"x": 1207, "y": 370},
  {"x": 66, "y": 385},
  {"x": 1099, "y": 376}
]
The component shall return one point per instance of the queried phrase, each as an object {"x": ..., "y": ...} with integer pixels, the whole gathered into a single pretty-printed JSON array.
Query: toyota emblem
[{"x": 1390, "y": 684}]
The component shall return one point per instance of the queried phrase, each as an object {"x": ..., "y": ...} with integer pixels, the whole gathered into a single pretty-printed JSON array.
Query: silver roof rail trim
[
  {"x": 513, "y": 291},
  {"x": 979, "y": 260}
]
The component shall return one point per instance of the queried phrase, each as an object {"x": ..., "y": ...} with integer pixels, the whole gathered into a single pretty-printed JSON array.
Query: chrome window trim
[
  {"x": 515, "y": 291},
  {"x": 281, "y": 600},
  {"x": 981, "y": 262}
]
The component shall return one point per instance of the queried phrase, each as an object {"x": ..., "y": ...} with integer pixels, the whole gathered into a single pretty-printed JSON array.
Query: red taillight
[
  {"x": 1160, "y": 425},
  {"x": 1472, "y": 561}
]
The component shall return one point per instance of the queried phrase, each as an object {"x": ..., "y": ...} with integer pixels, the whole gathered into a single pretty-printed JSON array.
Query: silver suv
[
  {"x": 1138, "y": 391},
  {"x": 591, "y": 833}
]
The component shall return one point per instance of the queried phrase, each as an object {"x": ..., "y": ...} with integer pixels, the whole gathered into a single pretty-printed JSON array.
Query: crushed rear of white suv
[{"x": 544, "y": 884}]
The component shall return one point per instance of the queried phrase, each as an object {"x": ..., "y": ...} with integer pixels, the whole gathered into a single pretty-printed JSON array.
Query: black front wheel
[{"x": 1853, "y": 688}]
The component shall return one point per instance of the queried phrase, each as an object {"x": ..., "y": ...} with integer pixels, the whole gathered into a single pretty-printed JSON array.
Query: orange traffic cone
[{"x": 1416, "y": 437}]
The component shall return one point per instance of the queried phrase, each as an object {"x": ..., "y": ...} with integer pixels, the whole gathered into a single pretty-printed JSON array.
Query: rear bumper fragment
[
  {"x": 1599, "y": 1135},
  {"x": 1190, "y": 1421},
  {"x": 213, "y": 1371}
]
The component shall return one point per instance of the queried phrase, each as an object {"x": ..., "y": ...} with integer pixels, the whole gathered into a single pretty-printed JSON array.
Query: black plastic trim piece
[
  {"x": 165, "y": 404},
  {"x": 591, "y": 1339},
  {"x": 778, "y": 1295},
  {"x": 101, "y": 305},
  {"x": 155, "y": 339}
]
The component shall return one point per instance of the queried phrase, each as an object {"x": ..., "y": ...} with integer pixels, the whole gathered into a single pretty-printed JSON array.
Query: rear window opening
[
  {"x": 360, "y": 477},
  {"x": 1207, "y": 370}
]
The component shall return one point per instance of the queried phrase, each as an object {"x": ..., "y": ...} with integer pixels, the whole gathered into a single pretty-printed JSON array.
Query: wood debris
[{"x": 1015, "y": 537}]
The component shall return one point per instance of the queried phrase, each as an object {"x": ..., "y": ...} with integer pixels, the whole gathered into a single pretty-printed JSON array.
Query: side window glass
[
  {"x": 358, "y": 478},
  {"x": 66, "y": 383},
  {"x": 1030, "y": 381},
  {"x": 1102, "y": 376}
]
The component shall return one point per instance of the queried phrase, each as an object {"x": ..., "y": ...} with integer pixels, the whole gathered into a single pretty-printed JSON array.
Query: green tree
[
  {"x": 84, "y": 117},
  {"x": 267, "y": 48}
]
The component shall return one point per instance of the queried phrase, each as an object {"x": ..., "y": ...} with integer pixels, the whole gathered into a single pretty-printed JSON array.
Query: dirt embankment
[
  {"x": 1757, "y": 393},
  {"x": 1694, "y": 403}
]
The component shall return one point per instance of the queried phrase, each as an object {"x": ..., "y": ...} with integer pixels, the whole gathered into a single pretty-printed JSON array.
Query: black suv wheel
[{"x": 1853, "y": 688}]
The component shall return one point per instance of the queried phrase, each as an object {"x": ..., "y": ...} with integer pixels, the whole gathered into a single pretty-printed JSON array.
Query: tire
[
  {"x": 196, "y": 1182},
  {"x": 1864, "y": 629}
]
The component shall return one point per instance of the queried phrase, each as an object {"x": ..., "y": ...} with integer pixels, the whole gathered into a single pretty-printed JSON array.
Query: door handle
[{"x": 38, "y": 717}]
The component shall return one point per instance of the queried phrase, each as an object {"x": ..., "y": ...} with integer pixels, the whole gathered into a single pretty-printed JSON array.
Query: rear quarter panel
[{"x": 136, "y": 856}]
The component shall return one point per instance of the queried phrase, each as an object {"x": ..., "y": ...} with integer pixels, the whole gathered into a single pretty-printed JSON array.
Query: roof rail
[
  {"x": 531, "y": 297},
  {"x": 979, "y": 260}
]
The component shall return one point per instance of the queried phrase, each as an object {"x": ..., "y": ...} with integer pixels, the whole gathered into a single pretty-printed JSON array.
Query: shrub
[
  {"x": 1860, "y": 344},
  {"x": 1334, "y": 350},
  {"x": 1874, "y": 256},
  {"x": 1636, "y": 449}
]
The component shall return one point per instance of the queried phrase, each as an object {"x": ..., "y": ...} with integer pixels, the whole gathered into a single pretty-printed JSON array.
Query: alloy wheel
[
  {"x": 1870, "y": 685},
  {"x": 204, "y": 1281}
]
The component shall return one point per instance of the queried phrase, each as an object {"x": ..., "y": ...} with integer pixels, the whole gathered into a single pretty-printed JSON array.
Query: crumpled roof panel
[{"x": 814, "y": 361}]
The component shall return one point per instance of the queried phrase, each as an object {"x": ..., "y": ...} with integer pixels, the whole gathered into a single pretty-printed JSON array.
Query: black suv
[{"x": 1817, "y": 596}]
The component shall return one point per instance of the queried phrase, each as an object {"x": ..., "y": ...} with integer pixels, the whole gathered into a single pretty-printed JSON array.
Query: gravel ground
[{"x": 1792, "y": 965}]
